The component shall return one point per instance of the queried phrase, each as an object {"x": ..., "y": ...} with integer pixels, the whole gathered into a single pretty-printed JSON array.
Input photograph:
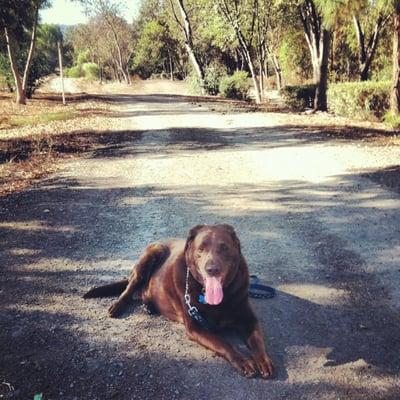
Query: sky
[{"x": 66, "y": 12}]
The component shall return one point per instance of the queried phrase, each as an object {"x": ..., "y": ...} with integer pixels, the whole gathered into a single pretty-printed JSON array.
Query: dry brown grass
[{"x": 34, "y": 137}]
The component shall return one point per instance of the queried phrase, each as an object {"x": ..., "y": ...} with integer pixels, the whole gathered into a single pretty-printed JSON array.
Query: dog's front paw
[
  {"x": 116, "y": 309},
  {"x": 264, "y": 366},
  {"x": 246, "y": 366}
]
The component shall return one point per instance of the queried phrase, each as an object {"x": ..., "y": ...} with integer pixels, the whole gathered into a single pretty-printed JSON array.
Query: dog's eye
[
  {"x": 200, "y": 249},
  {"x": 223, "y": 248}
]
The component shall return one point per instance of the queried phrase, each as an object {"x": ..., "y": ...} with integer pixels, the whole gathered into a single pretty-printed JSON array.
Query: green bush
[
  {"x": 5, "y": 72},
  {"x": 212, "y": 78},
  {"x": 365, "y": 100},
  {"x": 90, "y": 70},
  {"x": 236, "y": 86},
  {"x": 392, "y": 120},
  {"x": 74, "y": 72},
  {"x": 83, "y": 57},
  {"x": 194, "y": 85},
  {"x": 299, "y": 97}
]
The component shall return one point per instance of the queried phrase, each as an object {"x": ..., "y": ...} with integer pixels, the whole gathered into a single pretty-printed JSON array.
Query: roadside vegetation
[{"x": 342, "y": 57}]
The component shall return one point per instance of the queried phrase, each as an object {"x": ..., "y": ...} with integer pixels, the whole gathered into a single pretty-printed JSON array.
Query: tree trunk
[
  {"x": 120, "y": 64},
  {"x": 318, "y": 39},
  {"x": 253, "y": 73},
  {"x": 187, "y": 30},
  {"x": 31, "y": 50},
  {"x": 320, "y": 101},
  {"x": 128, "y": 76},
  {"x": 21, "y": 97},
  {"x": 395, "y": 91},
  {"x": 249, "y": 60},
  {"x": 60, "y": 62},
  {"x": 277, "y": 70},
  {"x": 366, "y": 51},
  {"x": 171, "y": 67},
  {"x": 261, "y": 76}
]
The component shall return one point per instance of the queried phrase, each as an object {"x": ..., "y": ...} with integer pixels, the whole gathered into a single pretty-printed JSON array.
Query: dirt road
[{"x": 313, "y": 221}]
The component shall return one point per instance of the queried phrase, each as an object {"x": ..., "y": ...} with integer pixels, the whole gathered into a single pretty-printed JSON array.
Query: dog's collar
[{"x": 193, "y": 311}]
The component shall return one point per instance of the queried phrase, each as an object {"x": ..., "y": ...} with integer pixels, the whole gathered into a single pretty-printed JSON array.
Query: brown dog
[{"x": 202, "y": 282}]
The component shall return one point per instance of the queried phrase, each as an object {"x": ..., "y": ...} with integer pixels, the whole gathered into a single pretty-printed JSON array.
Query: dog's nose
[{"x": 212, "y": 270}]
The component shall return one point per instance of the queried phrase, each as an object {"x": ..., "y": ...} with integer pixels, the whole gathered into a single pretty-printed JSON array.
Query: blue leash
[{"x": 259, "y": 291}]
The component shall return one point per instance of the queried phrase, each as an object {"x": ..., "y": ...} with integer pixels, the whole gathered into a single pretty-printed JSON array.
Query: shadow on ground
[
  {"x": 63, "y": 236},
  {"x": 57, "y": 239}
]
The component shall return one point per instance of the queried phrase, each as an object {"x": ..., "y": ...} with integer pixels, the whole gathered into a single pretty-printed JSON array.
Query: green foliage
[
  {"x": 299, "y": 97},
  {"x": 155, "y": 50},
  {"x": 39, "y": 69},
  {"x": 45, "y": 59},
  {"x": 5, "y": 70},
  {"x": 46, "y": 46},
  {"x": 83, "y": 68},
  {"x": 294, "y": 58},
  {"x": 83, "y": 57},
  {"x": 392, "y": 119},
  {"x": 236, "y": 86},
  {"x": 148, "y": 55},
  {"x": 74, "y": 72},
  {"x": 90, "y": 70},
  {"x": 365, "y": 100},
  {"x": 194, "y": 84},
  {"x": 212, "y": 78}
]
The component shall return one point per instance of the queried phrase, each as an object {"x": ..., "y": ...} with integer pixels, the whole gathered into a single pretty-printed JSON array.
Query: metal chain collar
[{"x": 192, "y": 310}]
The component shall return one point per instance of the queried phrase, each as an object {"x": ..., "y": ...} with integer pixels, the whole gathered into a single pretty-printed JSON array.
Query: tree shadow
[
  {"x": 63, "y": 236},
  {"x": 59, "y": 224}
]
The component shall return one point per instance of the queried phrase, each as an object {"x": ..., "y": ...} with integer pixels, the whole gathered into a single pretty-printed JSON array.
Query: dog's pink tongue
[{"x": 214, "y": 293}]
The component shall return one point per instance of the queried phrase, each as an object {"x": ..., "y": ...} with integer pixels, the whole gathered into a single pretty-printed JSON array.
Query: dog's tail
[{"x": 112, "y": 289}]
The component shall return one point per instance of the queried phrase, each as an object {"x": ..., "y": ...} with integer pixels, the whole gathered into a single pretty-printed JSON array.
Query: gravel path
[{"x": 312, "y": 224}]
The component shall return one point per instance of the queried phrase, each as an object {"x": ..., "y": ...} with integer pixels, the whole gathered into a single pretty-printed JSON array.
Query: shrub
[
  {"x": 90, "y": 70},
  {"x": 194, "y": 85},
  {"x": 392, "y": 120},
  {"x": 236, "y": 86},
  {"x": 74, "y": 72},
  {"x": 299, "y": 97},
  {"x": 83, "y": 57},
  {"x": 366, "y": 100},
  {"x": 212, "y": 77}
]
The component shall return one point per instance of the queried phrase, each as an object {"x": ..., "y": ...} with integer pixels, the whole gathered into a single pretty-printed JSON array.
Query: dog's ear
[
  {"x": 231, "y": 231},
  {"x": 192, "y": 234}
]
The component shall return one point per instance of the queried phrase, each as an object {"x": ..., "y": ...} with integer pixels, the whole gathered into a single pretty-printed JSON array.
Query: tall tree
[
  {"x": 395, "y": 91},
  {"x": 36, "y": 6},
  {"x": 10, "y": 42},
  {"x": 242, "y": 16},
  {"x": 117, "y": 30},
  {"x": 186, "y": 27},
  {"x": 372, "y": 15},
  {"x": 318, "y": 37},
  {"x": 15, "y": 18}
]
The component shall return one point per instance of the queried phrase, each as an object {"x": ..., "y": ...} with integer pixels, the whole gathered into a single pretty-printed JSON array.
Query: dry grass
[{"x": 35, "y": 136}]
